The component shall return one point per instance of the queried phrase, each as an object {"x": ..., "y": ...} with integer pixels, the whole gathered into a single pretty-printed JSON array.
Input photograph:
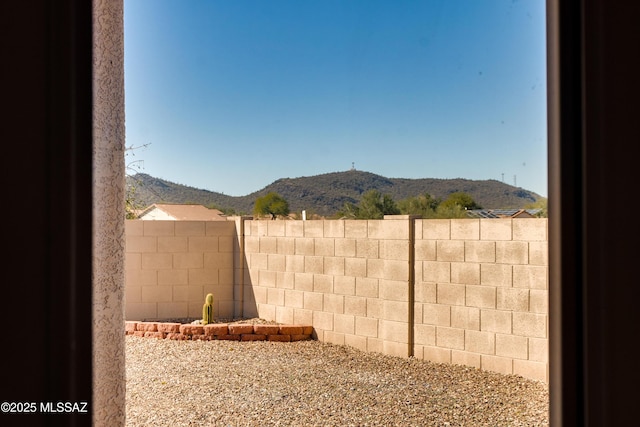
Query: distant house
[
  {"x": 170, "y": 212},
  {"x": 502, "y": 213}
]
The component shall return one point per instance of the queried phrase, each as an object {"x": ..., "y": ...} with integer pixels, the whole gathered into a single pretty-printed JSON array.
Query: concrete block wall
[
  {"x": 481, "y": 294},
  {"x": 170, "y": 266},
  {"x": 464, "y": 291},
  {"x": 348, "y": 279},
  {"x": 479, "y": 287}
]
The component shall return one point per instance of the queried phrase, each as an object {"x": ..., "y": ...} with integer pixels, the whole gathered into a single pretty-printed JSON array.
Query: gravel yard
[{"x": 309, "y": 383}]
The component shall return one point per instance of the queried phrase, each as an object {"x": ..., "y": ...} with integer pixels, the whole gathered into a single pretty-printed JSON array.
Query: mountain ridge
[{"x": 325, "y": 194}]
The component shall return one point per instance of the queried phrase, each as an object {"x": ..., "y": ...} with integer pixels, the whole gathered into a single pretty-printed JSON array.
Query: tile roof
[{"x": 185, "y": 212}]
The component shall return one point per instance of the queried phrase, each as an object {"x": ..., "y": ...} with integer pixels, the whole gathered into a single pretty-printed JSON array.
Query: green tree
[
  {"x": 271, "y": 204},
  {"x": 424, "y": 205},
  {"x": 349, "y": 210},
  {"x": 463, "y": 200},
  {"x": 450, "y": 211},
  {"x": 539, "y": 204},
  {"x": 372, "y": 205}
]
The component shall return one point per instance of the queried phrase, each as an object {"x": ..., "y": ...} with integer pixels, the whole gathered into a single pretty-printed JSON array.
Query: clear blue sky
[{"x": 231, "y": 95}]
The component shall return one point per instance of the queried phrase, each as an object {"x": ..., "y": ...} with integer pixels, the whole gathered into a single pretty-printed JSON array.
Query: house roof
[
  {"x": 182, "y": 212},
  {"x": 502, "y": 213}
]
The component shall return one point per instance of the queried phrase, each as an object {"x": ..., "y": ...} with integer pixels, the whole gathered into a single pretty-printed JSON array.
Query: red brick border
[{"x": 219, "y": 331}]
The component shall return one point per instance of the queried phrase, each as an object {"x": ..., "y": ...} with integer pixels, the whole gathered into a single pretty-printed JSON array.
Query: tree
[
  {"x": 373, "y": 205},
  {"x": 456, "y": 206},
  {"x": 539, "y": 204},
  {"x": 450, "y": 211},
  {"x": 424, "y": 205},
  {"x": 462, "y": 200},
  {"x": 132, "y": 205},
  {"x": 271, "y": 204}
]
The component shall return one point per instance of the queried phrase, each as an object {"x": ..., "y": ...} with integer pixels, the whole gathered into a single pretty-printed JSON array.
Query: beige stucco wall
[
  {"x": 476, "y": 289},
  {"x": 108, "y": 215}
]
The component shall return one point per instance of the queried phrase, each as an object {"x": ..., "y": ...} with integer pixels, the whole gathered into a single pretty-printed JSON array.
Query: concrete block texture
[
  {"x": 479, "y": 287},
  {"x": 480, "y": 251},
  {"x": 512, "y": 346},
  {"x": 394, "y": 249},
  {"x": 513, "y": 299},
  {"x": 496, "y": 321},
  {"x": 436, "y": 314},
  {"x": 467, "y": 318},
  {"x": 172, "y": 244},
  {"x": 530, "y": 276},
  {"x": 324, "y": 247},
  {"x": 388, "y": 229},
  {"x": 159, "y": 228},
  {"x": 394, "y": 290},
  {"x": 514, "y": 253},
  {"x": 467, "y": 273},
  {"x": 425, "y": 250},
  {"x": 437, "y": 272},
  {"x": 425, "y": 335},
  {"x": 530, "y": 324},
  {"x": 538, "y": 371},
  {"x": 496, "y": 274},
  {"x": 450, "y": 250},
  {"x": 345, "y": 247},
  {"x": 355, "y": 229},
  {"x": 496, "y": 229},
  {"x": 313, "y": 228},
  {"x": 355, "y": 305},
  {"x": 501, "y": 365},
  {"x": 465, "y": 229},
  {"x": 394, "y": 331},
  {"x": 539, "y": 253},
  {"x": 451, "y": 338},
  {"x": 436, "y": 354},
  {"x": 480, "y": 342},
  {"x": 203, "y": 244},
  {"x": 286, "y": 246},
  {"x": 533, "y": 231},
  {"x": 344, "y": 323},
  {"x": 334, "y": 229},
  {"x": 157, "y": 261},
  {"x": 437, "y": 229}
]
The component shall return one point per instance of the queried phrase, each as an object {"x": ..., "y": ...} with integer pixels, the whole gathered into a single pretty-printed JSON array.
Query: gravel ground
[{"x": 309, "y": 383}]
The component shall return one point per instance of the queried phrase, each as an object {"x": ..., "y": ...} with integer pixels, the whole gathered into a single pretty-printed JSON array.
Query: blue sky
[{"x": 231, "y": 95}]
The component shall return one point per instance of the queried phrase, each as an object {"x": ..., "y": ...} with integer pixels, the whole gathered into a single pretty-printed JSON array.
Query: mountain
[{"x": 325, "y": 194}]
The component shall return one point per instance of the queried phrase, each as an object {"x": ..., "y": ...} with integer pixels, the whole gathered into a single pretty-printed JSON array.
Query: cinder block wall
[
  {"x": 170, "y": 266},
  {"x": 348, "y": 279},
  {"x": 481, "y": 294},
  {"x": 479, "y": 287}
]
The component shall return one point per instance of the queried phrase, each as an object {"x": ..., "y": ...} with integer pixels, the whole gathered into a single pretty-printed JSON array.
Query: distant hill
[{"x": 326, "y": 194}]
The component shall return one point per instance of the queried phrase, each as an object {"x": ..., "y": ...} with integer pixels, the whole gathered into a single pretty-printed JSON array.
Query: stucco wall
[{"x": 108, "y": 212}]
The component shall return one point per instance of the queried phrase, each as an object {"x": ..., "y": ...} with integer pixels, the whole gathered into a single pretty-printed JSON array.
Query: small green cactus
[{"x": 207, "y": 310}]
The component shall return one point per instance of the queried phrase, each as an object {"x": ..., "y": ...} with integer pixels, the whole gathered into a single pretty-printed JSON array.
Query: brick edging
[{"x": 219, "y": 331}]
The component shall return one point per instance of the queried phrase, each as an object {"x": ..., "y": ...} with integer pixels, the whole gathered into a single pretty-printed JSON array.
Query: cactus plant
[{"x": 207, "y": 310}]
